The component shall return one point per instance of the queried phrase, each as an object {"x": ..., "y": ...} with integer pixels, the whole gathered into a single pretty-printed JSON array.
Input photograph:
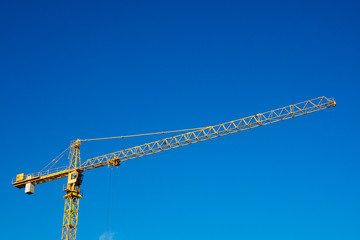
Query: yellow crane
[{"x": 74, "y": 171}]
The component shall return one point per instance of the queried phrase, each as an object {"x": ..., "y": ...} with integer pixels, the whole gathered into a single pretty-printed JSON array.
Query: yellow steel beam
[
  {"x": 210, "y": 132},
  {"x": 37, "y": 178}
]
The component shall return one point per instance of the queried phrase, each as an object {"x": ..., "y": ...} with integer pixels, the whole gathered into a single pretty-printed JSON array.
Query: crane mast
[
  {"x": 75, "y": 168},
  {"x": 72, "y": 196}
]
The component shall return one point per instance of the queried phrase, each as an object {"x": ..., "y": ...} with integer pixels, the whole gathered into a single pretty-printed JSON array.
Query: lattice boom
[{"x": 210, "y": 132}]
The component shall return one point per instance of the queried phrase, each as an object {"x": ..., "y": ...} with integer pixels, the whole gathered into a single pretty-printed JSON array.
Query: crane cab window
[{"x": 74, "y": 177}]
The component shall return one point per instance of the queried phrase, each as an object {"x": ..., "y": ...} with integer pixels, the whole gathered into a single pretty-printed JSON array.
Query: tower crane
[{"x": 74, "y": 171}]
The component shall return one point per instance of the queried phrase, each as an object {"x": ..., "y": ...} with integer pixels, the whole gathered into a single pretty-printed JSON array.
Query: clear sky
[{"x": 86, "y": 69}]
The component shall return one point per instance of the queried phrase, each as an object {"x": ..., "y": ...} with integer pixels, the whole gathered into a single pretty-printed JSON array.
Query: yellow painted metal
[
  {"x": 211, "y": 132},
  {"x": 75, "y": 168},
  {"x": 20, "y": 177},
  {"x": 113, "y": 162},
  {"x": 72, "y": 196},
  {"x": 70, "y": 221},
  {"x": 44, "y": 177}
]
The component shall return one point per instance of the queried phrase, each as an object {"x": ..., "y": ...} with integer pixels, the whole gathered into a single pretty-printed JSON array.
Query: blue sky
[{"x": 89, "y": 69}]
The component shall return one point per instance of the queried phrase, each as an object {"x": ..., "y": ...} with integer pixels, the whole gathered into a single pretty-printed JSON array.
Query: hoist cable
[{"x": 143, "y": 134}]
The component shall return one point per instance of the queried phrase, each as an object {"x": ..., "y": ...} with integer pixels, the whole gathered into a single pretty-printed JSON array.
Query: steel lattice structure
[{"x": 75, "y": 168}]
